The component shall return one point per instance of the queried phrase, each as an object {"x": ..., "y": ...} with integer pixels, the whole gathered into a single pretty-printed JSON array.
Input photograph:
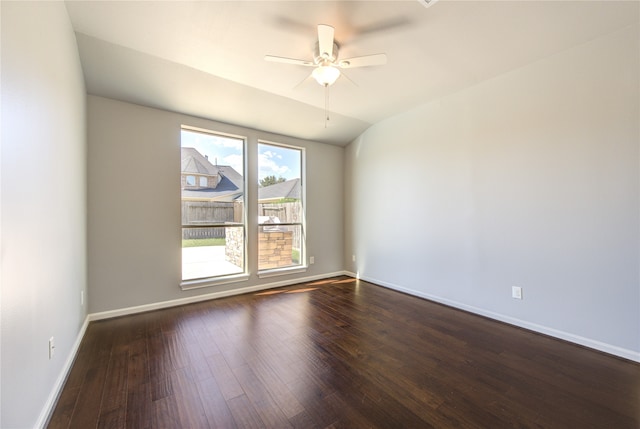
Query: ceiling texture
[{"x": 206, "y": 58}]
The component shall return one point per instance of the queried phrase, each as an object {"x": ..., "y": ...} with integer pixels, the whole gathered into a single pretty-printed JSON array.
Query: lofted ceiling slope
[{"x": 206, "y": 58}]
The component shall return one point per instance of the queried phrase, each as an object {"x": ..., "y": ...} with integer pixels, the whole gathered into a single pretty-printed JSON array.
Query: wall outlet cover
[{"x": 516, "y": 292}]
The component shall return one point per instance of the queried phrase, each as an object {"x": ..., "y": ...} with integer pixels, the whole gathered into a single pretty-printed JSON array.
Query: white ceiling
[{"x": 205, "y": 58}]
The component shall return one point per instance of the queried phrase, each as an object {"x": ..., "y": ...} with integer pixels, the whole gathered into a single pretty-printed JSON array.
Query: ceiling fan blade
[
  {"x": 343, "y": 74},
  {"x": 364, "y": 61},
  {"x": 289, "y": 61},
  {"x": 383, "y": 26},
  {"x": 303, "y": 81},
  {"x": 325, "y": 41}
]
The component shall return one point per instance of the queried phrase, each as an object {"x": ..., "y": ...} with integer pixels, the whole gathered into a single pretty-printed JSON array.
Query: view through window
[
  {"x": 280, "y": 207},
  {"x": 213, "y": 190}
]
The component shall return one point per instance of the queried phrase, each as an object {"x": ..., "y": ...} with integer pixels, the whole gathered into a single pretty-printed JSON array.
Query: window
[
  {"x": 281, "y": 240},
  {"x": 213, "y": 218}
]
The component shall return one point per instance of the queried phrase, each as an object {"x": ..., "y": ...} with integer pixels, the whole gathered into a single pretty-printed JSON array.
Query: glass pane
[
  {"x": 212, "y": 193},
  {"x": 279, "y": 204},
  {"x": 279, "y": 246},
  {"x": 212, "y": 252}
]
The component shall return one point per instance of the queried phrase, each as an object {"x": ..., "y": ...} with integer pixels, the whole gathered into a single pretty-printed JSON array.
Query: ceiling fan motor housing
[{"x": 319, "y": 58}]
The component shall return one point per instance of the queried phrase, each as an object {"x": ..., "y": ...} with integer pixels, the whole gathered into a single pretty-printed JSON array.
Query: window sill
[
  {"x": 282, "y": 271},
  {"x": 213, "y": 281}
]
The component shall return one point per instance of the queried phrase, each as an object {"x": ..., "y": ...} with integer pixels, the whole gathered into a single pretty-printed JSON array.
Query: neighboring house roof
[
  {"x": 289, "y": 189},
  {"x": 194, "y": 162},
  {"x": 232, "y": 175},
  {"x": 226, "y": 189},
  {"x": 231, "y": 184}
]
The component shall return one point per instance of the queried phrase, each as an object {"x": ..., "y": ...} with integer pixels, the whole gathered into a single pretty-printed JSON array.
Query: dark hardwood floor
[{"x": 339, "y": 353}]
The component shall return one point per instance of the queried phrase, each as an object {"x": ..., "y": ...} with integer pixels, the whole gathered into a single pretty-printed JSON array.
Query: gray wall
[
  {"x": 134, "y": 205},
  {"x": 43, "y": 195},
  {"x": 527, "y": 179}
]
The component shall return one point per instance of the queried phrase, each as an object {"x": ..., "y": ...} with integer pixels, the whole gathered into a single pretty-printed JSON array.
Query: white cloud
[
  {"x": 268, "y": 167},
  {"x": 229, "y": 142},
  {"x": 269, "y": 155},
  {"x": 235, "y": 161}
]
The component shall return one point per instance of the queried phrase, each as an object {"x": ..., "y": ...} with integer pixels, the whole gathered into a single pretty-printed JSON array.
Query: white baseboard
[
  {"x": 586, "y": 342},
  {"x": 47, "y": 410},
  {"x": 182, "y": 301}
]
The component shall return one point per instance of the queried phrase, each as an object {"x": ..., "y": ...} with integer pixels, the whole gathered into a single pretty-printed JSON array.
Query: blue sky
[
  {"x": 278, "y": 161},
  {"x": 272, "y": 160}
]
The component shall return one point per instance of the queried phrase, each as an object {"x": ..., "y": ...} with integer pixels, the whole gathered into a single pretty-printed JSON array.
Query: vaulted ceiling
[{"x": 206, "y": 58}]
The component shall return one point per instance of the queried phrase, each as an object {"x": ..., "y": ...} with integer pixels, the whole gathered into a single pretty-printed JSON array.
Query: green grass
[{"x": 203, "y": 242}]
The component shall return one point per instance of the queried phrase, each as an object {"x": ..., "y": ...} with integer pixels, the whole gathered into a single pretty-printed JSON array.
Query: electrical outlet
[
  {"x": 52, "y": 347},
  {"x": 353, "y": 258},
  {"x": 312, "y": 260},
  {"x": 81, "y": 297},
  {"x": 516, "y": 292}
]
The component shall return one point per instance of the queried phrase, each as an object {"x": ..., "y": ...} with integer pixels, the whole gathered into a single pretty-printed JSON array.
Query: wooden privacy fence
[
  {"x": 195, "y": 212},
  {"x": 287, "y": 212},
  {"x": 203, "y": 212}
]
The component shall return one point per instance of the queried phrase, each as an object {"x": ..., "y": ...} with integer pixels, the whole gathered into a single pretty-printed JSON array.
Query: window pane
[
  {"x": 212, "y": 205},
  {"x": 280, "y": 207},
  {"x": 211, "y": 252}
]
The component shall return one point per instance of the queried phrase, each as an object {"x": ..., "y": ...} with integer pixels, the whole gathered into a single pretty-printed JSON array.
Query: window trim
[{"x": 214, "y": 281}]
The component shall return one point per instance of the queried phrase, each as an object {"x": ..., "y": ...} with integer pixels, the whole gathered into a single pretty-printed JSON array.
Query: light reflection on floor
[{"x": 276, "y": 292}]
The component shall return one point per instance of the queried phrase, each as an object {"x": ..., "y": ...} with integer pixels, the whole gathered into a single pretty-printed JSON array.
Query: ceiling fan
[{"x": 325, "y": 58}]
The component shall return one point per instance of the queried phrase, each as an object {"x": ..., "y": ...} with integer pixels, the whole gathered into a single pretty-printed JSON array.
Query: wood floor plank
[
  {"x": 282, "y": 396},
  {"x": 115, "y": 386},
  {"x": 215, "y": 406},
  {"x": 229, "y": 385},
  {"x": 268, "y": 410},
  {"x": 87, "y": 409},
  {"x": 138, "y": 364},
  {"x": 191, "y": 413},
  {"x": 244, "y": 414},
  {"x": 139, "y": 407},
  {"x": 165, "y": 414},
  {"x": 112, "y": 419},
  {"x": 337, "y": 353},
  {"x": 63, "y": 411}
]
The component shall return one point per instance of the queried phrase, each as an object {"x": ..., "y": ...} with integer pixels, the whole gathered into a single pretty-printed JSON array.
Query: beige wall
[{"x": 134, "y": 205}]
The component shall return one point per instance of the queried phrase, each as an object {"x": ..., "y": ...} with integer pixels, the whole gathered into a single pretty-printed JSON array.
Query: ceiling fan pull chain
[{"x": 326, "y": 104}]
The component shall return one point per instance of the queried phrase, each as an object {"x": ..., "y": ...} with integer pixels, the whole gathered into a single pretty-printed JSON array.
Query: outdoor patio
[{"x": 196, "y": 262}]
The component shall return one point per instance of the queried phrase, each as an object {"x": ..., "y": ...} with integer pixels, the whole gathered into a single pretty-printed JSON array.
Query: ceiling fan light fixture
[{"x": 326, "y": 75}]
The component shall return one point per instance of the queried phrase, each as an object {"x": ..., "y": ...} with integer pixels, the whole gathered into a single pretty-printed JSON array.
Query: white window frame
[
  {"x": 225, "y": 278},
  {"x": 303, "y": 266}
]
